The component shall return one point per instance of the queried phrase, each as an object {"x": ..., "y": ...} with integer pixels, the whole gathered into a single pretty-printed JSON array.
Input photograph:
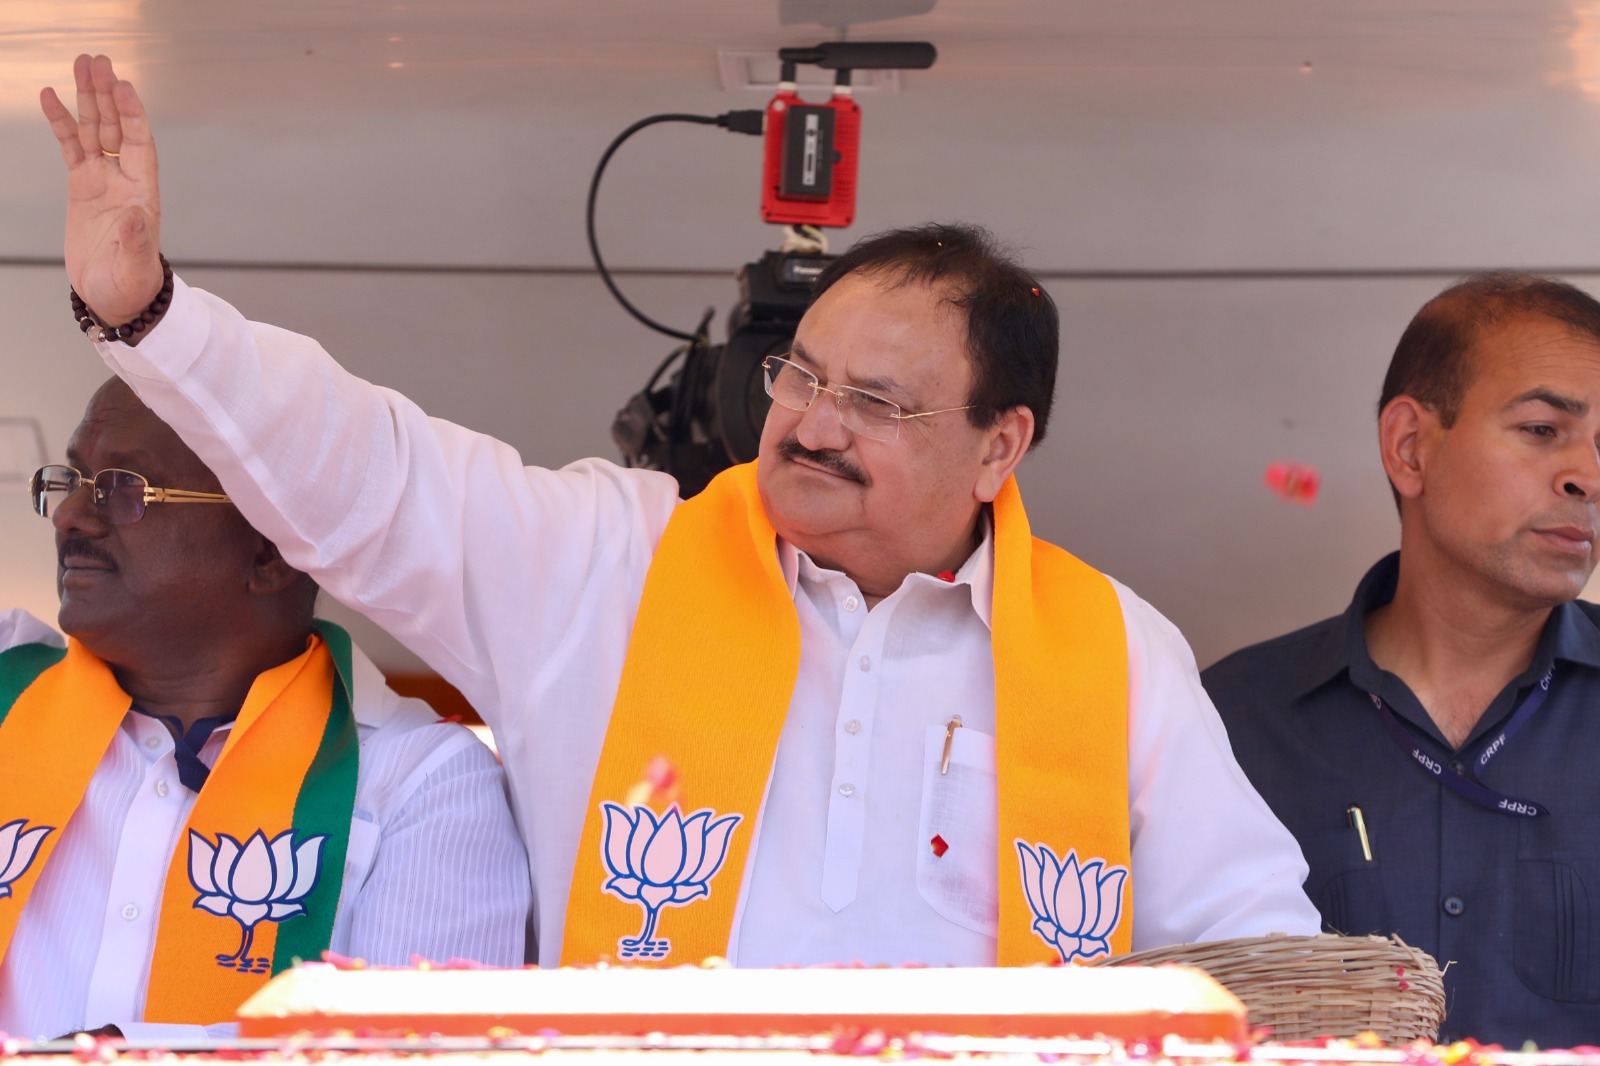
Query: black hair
[
  {"x": 1013, "y": 329},
  {"x": 1432, "y": 363}
]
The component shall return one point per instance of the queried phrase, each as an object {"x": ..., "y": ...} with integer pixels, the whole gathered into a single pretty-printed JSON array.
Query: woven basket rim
[{"x": 1306, "y": 987}]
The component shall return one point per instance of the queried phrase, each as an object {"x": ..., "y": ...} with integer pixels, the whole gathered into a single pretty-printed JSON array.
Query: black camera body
[{"x": 709, "y": 414}]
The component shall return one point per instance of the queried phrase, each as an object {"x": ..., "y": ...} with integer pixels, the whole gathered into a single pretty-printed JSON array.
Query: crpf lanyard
[{"x": 1465, "y": 783}]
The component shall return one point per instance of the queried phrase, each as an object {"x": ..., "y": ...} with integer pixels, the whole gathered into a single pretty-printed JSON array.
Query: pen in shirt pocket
[
  {"x": 1359, "y": 824},
  {"x": 949, "y": 739}
]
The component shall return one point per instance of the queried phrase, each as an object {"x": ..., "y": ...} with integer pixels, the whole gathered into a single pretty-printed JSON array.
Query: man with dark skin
[
  {"x": 188, "y": 615},
  {"x": 186, "y": 606}
]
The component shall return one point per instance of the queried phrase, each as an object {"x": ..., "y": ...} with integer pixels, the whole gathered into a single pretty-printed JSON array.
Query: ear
[
  {"x": 269, "y": 574},
  {"x": 1406, "y": 432},
  {"x": 1004, "y": 445}
]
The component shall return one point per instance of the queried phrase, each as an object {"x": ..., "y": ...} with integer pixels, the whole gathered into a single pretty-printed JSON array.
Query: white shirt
[
  {"x": 434, "y": 867},
  {"x": 520, "y": 586}
]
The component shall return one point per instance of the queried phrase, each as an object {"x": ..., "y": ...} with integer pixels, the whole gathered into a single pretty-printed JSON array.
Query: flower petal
[
  {"x": 251, "y": 880},
  {"x": 1089, "y": 879},
  {"x": 614, "y": 846},
  {"x": 1089, "y": 947},
  {"x": 213, "y": 903},
  {"x": 717, "y": 834},
  {"x": 1049, "y": 879},
  {"x": 655, "y": 895},
  {"x": 280, "y": 911},
  {"x": 282, "y": 864},
  {"x": 1068, "y": 903},
  {"x": 663, "y": 856},
  {"x": 249, "y": 914},
  {"x": 201, "y": 857},
  {"x": 8, "y": 848},
  {"x": 644, "y": 827},
  {"x": 626, "y": 887},
  {"x": 27, "y": 846},
  {"x": 694, "y": 838},
  {"x": 222, "y": 869},
  {"x": 307, "y": 859},
  {"x": 1110, "y": 893},
  {"x": 685, "y": 893},
  {"x": 1032, "y": 868}
]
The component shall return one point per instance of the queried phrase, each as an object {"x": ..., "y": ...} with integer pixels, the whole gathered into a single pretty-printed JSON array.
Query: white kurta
[
  {"x": 520, "y": 586},
  {"x": 434, "y": 866}
]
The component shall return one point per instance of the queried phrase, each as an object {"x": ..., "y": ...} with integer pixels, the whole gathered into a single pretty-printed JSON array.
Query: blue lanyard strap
[{"x": 1466, "y": 783}]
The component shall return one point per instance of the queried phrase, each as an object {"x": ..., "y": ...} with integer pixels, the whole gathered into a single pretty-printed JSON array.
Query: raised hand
[{"x": 113, "y": 239}]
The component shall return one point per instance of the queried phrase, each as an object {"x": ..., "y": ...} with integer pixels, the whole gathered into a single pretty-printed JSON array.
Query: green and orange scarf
[
  {"x": 707, "y": 683},
  {"x": 255, "y": 879}
]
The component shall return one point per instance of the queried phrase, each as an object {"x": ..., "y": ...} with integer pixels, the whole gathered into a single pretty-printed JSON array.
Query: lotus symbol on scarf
[
  {"x": 660, "y": 862},
  {"x": 1075, "y": 908},
  {"x": 17, "y": 850},
  {"x": 260, "y": 880}
]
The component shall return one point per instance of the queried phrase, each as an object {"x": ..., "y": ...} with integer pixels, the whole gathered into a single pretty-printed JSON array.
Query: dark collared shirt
[
  {"x": 1511, "y": 903},
  {"x": 187, "y": 743}
]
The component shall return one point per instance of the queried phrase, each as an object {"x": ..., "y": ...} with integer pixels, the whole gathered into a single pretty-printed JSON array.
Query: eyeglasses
[
  {"x": 795, "y": 387},
  {"x": 120, "y": 496}
]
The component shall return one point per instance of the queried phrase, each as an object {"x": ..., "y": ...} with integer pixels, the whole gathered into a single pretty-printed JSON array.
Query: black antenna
[{"x": 864, "y": 55}]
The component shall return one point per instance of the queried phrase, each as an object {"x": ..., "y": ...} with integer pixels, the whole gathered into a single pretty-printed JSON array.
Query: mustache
[
  {"x": 833, "y": 462},
  {"x": 83, "y": 548}
]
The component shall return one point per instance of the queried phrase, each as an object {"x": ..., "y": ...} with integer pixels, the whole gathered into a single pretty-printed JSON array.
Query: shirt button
[
  {"x": 853, "y": 726},
  {"x": 851, "y": 603},
  {"x": 152, "y": 743},
  {"x": 847, "y": 790},
  {"x": 130, "y": 912},
  {"x": 1454, "y": 906},
  {"x": 161, "y": 789},
  {"x": 866, "y": 662}
]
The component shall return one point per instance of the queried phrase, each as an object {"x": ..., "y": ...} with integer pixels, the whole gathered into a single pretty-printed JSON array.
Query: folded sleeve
[{"x": 486, "y": 568}]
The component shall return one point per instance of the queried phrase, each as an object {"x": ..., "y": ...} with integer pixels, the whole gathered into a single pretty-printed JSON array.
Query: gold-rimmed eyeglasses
[
  {"x": 793, "y": 386},
  {"x": 120, "y": 496}
]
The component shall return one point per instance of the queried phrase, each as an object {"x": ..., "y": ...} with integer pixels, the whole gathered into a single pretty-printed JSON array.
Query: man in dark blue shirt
[{"x": 1430, "y": 748}]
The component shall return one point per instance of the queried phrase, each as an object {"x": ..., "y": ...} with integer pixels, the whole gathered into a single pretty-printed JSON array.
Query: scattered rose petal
[
  {"x": 658, "y": 785},
  {"x": 1296, "y": 482}
]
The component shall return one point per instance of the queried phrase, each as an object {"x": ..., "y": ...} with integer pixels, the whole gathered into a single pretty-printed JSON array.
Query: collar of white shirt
[{"x": 977, "y": 573}]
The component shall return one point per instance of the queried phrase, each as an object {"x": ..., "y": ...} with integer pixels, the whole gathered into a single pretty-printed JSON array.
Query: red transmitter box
[{"x": 809, "y": 177}]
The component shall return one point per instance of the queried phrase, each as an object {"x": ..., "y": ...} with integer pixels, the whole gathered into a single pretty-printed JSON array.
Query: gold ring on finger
[{"x": 110, "y": 154}]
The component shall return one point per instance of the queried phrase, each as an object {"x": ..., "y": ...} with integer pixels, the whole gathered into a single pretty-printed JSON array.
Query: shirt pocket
[
  {"x": 959, "y": 808},
  {"x": 1551, "y": 949},
  {"x": 1347, "y": 889}
]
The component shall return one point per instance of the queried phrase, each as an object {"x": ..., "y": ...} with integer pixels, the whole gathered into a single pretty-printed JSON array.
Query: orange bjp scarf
[
  {"x": 264, "y": 843},
  {"x": 707, "y": 682}
]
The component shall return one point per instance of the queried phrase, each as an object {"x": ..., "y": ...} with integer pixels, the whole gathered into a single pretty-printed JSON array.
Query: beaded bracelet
[{"x": 145, "y": 319}]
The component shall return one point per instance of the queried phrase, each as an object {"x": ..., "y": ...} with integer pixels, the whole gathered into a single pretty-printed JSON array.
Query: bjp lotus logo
[
  {"x": 1074, "y": 907},
  {"x": 660, "y": 862},
  {"x": 17, "y": 850},
  {"x": 258, "y": 881}
]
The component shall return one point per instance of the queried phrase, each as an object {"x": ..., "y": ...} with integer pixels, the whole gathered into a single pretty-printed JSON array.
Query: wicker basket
[{"x": 1304, "y": 987}]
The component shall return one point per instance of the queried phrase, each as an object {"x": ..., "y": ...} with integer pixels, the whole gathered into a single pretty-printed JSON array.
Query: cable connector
[{"x": 750, "y": 122}]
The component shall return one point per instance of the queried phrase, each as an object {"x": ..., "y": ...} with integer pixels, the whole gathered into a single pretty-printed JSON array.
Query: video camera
[
  {"x": 709, "y": 413},
  {"x": 719, "y": 393}
]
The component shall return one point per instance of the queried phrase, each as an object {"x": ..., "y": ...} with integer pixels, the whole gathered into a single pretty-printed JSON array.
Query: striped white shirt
[{"x": 434, "y": 868}]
